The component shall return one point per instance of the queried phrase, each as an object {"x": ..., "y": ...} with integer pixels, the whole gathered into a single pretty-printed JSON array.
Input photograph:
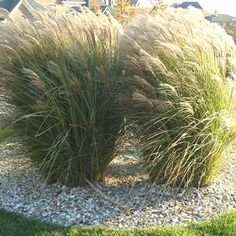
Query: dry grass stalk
[{"x": 184, "y": 135}]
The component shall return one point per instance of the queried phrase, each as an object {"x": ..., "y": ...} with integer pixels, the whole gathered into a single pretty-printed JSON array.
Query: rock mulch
[{"x": 125, "y": 199}]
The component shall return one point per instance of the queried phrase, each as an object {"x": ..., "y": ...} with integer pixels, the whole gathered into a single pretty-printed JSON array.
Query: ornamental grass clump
[
  {"x": 181, "y": 71},
  {"x": 59, "y": 72}
]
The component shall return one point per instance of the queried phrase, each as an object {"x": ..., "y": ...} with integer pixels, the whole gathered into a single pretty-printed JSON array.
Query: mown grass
[{"x": 16, "y": 225}]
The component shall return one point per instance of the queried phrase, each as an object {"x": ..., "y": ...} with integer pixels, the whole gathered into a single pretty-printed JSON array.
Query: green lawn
[{"x": 16, "y": 225}]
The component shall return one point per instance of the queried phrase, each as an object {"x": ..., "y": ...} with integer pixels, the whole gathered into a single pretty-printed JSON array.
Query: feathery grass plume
[
  {"x": 181, "y": 94},
  {"x": 60, "y": 73}
]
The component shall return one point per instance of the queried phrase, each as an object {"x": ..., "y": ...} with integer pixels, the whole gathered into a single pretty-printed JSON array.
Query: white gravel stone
[{"x": 23, "y": 190}]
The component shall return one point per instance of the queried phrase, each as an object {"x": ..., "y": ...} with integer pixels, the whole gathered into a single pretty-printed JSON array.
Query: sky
[{"x": 221, "y": 6}]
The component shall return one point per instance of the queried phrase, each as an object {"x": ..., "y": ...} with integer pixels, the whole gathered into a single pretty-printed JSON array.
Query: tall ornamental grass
[
  {"x": 59, "y": 73},
  {"x": 180, "y": 70}
]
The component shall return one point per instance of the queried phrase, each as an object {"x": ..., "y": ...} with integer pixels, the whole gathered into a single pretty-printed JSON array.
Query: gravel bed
[{"x": 124, "y": 200}]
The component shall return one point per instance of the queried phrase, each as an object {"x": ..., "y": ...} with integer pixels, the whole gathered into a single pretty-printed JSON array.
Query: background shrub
[
  {"x": 180, "y": 70},
  {"x": 60, "y": 73},
  {"x": 231, "y": 30}
]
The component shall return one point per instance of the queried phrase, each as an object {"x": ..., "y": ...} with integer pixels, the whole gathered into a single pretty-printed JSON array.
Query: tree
[
  {"x": 123, "y": 11},
  {"x": 159, "y": 7}
]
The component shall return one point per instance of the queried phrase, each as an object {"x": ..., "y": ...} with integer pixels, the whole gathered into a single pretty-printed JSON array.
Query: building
[
  {"x": 143, "y": 3},
  {"x": 187, "y": 5},
  {"x": 26, "y": 8},
  {"x": 221, "y": 19},
  {"x": 9, "y": 5},
  {"x": 19, "y": 8}
]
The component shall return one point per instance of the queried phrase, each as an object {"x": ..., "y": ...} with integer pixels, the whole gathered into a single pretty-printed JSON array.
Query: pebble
[{"x": 23, "y": 190}]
